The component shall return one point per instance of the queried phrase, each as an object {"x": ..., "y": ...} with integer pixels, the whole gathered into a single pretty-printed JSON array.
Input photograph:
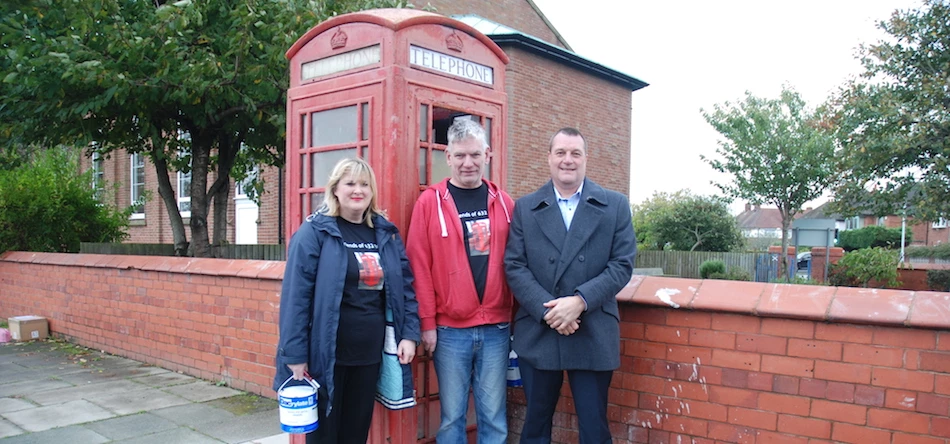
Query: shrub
[
  {"x": 838, "y": 276},
  {"x": 941, "y": 251},
  {"x": 711, "y": 266},
  {"x": 871, "y": 264},
  {"x": 938, "y": 280},
  {"x": 738, "y": 274},
  {"x": 45, "y": 205},
  {"x": 871, "y": 237}
]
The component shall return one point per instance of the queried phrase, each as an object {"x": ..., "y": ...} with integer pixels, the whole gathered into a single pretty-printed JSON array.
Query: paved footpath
[{"x": 55, "y": 392}]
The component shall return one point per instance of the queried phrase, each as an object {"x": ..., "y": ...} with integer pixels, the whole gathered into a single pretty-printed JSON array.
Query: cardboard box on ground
[{"x": 28, "y": 328}]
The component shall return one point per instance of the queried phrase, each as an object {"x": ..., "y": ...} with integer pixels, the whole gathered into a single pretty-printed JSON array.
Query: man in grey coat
[{"x": 570, "y": 250}]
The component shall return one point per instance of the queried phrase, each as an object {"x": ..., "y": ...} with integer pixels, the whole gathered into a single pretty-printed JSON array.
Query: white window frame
[
  {"x": 183, "y": 193},
  {"x": 940, "y": 223},
  {"x": 98, "y": 175},
  {"x": 136, "y": 190}
]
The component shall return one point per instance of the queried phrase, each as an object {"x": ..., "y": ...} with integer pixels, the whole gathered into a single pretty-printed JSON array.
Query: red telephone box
[{"x": 385, "y": 85}]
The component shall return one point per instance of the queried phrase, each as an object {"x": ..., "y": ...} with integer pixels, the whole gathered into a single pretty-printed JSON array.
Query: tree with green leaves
[
  {"x": 685, "y": 222},
  {"x": 777, "y": 150},
  {"x": 46, "y": 206},
  {"x": 197, "y": 86},
  {"x": 893, "y": 122}
]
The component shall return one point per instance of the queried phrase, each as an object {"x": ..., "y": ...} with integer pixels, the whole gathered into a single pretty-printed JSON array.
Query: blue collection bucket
[{"x": 298, "y": 406}]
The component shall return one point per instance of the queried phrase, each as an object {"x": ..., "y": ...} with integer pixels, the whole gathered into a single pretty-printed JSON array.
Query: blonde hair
[{"x": 360, "y": 169}]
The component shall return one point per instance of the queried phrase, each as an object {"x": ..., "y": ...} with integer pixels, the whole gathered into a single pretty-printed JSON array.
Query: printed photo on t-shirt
[
  {"x": 371, "y": 271},
  {"x": 479, "y": 236}
]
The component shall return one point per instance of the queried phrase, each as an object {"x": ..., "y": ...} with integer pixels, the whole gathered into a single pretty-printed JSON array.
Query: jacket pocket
[{"x": 455, "y": 302}]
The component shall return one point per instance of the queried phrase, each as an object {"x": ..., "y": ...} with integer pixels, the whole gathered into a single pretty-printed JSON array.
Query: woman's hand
[
  {"x": 406, "y": 351},
  {"x": 298, "y": 369}
]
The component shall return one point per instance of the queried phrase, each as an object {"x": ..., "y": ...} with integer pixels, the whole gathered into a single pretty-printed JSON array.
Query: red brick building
[{"x": 548, "y": 87}]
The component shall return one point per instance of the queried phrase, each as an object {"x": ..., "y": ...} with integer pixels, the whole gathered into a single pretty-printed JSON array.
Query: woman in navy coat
[{"x": 346, "y": 267}]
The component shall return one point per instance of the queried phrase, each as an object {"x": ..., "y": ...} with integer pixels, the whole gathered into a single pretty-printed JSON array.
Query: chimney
[
  {"x": 758, "y": 207},
  {"x": 748, "y": 207}
]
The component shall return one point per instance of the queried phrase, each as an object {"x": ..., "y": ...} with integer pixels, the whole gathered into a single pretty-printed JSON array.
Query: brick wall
[
  {"x": 543, "y": 97},
  {"x": 211, "y": 318},
  {"x": 702, "y": 361},
  {"x": 517, "y": 14}
]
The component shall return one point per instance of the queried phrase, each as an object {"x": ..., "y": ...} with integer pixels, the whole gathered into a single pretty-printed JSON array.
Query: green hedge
[{"x": 871, "y": 237}]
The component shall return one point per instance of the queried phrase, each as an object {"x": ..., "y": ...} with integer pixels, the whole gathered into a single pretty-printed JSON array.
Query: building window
[
  {"x": 98, "y": 175},
  {"x": 184, "y": 177},
  {"x": 852, "y": 223},
  {"x": 184, "y": 194},
  {"x": 940, "y": 223},
  {"x": 137, "y": 185}
]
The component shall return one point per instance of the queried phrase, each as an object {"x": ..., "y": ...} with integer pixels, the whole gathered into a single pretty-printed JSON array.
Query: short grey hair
[{"x": 464, "y": 128}]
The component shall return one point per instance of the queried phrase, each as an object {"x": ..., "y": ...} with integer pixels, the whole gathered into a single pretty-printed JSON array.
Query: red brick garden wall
[
  {"x": 211, "y": 318},
  {"x": 703, "y": 361}
]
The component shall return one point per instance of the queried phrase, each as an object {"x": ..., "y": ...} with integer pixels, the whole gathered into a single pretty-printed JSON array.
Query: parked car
[{"x": 804, "y": 264}]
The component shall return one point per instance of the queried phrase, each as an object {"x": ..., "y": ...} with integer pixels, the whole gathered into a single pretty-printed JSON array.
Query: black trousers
[
  {"x": 353, "y": 399},
  {"x": 542, "y": 389}
]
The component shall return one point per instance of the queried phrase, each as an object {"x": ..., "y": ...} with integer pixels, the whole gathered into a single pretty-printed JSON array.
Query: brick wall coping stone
[
  {"x": 268, "y": 270},
  {"x": 920, "y": 309}
]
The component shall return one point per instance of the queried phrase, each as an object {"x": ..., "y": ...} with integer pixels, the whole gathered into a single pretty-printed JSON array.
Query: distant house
[{"x": 758, "y": 222}]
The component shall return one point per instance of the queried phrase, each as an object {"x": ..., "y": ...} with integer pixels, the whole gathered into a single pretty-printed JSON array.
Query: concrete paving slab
[
  {"x": 242, "y": 428},
  {"x": 84, "y": 391},
  {"x": 179, "y": 435},
  {"x": 131, "y": 426},
  {"x": 59, "y": 415},
  {"x": 8, "y": 428},
  {"x": 245, "y": 404},
  {"x": 94, "y": 375},
  {"x": 72, "y": 434},
  {"x": 14, "y": 404},
  {"x": 282, "y": 438},
  {"x": 125, "y": 403},
  {"x": 15, "y": 373},
  {"x": 165, "y": 379},
  {"x": 193, "y": 414},
  {"x": 201, "y": 391},
  {"x": 23, "y": 388}
]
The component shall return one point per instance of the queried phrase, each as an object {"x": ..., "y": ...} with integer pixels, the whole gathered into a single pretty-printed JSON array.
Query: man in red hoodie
[{"x": 456, "y": 248}]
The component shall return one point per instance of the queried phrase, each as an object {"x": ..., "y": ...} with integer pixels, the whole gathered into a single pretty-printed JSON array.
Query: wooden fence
[
  {"x": 686, "y": 263},
  {"x": 267, "y": 252}
]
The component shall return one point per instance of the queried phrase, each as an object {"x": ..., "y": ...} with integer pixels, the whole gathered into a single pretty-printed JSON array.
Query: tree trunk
[
  {"x": 169, "y": 198},
  {"x": 783, "y": 257},
  {"x": 221, "y": 189},
  {"x": 200, "y": 158}
]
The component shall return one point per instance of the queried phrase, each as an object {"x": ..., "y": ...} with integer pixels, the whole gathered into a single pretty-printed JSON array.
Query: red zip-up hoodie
[{"x": 435, "y": 246}]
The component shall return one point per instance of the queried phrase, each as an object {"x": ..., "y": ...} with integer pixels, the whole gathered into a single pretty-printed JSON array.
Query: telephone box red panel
[{"x": 385, "y": 85}]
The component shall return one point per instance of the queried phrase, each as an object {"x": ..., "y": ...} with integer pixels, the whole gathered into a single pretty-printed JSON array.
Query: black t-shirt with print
[
  {"x": 472, "y": 205},
  {"x": 362, "y": 326}
]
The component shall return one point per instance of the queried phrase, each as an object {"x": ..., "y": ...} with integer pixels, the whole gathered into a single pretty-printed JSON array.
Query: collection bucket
[{"x": 298, "y": 406}]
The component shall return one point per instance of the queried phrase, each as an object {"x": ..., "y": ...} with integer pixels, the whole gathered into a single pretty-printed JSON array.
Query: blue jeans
[{"x": 474, "y": 358}]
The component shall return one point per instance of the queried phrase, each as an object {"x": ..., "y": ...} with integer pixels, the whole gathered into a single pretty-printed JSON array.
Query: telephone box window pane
[
  {"x": 423, "y": 123},
  {"x": 324, "y": 162},
  {"x": 422, "y": 166},
  {"x": 303, "y": 171},
  {"x": 316, "y": 201},
  {"x": 334, "y": 126},
  {"x": 365, "y": 123},
  {"x": 303, "y": 124},
  {"x": 440, "y": 166}
]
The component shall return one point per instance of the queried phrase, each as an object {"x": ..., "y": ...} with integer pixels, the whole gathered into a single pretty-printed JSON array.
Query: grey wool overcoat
[{"x": 595, "y": 259}]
